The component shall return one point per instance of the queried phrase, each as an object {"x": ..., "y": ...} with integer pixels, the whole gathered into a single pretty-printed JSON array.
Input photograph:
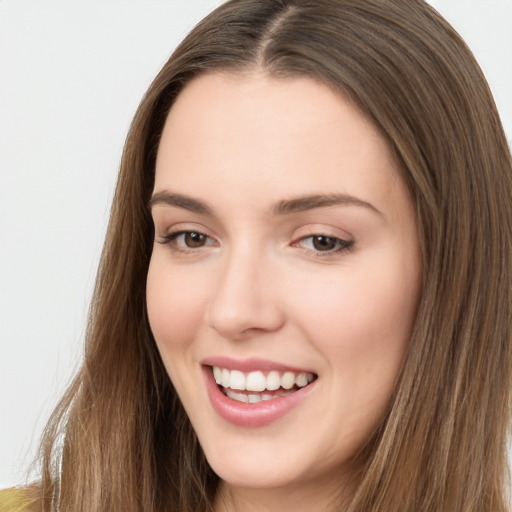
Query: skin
[{"x": 259, "y": 287}]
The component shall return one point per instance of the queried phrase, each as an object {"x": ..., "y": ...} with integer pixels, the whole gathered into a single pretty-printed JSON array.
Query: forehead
[{"x": 295, "y": 135}]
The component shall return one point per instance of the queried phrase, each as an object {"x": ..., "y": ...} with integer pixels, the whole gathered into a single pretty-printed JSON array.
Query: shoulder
[{"x": 17, "y": 500}]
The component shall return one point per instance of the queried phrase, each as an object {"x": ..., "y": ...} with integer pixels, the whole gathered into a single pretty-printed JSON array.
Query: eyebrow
[
  {"x": 283, "y": 207},
  {"x": 180, "y": 201},
  {"x": 312, "y": 202}
]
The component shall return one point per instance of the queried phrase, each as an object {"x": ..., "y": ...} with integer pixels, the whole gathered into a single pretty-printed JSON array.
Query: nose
[{"x": 245, "y": 301}]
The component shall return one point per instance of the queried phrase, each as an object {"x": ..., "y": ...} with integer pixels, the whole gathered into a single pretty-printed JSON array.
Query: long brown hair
[{"x": 120, "y": 439}]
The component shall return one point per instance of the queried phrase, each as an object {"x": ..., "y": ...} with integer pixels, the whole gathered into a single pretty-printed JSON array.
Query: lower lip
[{"x": 259, "y": 414}]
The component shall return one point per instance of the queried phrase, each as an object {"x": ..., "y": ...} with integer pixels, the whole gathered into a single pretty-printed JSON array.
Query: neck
[{"x": 314, "y": 497}]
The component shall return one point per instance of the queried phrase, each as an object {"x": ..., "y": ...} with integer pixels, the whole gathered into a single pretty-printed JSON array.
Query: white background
[{"x": 71, "y": 75}]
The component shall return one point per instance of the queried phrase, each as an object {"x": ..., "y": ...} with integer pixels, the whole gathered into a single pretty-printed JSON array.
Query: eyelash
[
  {"x": 171, "y": 240},
  {"x": 341, "y": 245}
]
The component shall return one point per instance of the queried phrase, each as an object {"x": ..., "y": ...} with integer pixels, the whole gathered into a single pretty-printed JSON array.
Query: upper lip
[{"x": 251, "y": 364}]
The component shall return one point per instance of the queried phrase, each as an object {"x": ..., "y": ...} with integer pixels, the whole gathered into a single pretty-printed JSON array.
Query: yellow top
[{"x": 14, "y": 500}]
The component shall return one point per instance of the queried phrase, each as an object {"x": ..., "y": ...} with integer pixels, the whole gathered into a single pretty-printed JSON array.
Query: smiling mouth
[{"x": 258, "y": 386}]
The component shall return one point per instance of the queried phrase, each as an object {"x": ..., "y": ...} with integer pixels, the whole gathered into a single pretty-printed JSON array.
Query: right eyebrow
[{"x": 179, "y": 201}]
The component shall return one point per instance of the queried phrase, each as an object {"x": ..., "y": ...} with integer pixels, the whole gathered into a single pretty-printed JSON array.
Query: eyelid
[
  {"x": 169, "y": 228},
  {"x": 345, "y": 241},
  {"x": 342, "y": 245},
  {"x": 175, "y": 234},
  {"x": 169, "y": 236}
]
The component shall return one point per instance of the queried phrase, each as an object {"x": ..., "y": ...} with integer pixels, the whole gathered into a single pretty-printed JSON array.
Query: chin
[{"x": 251, "y": 474}]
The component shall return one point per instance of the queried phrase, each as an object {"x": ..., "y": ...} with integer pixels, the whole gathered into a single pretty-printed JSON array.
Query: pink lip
[
  {"x": 251, "y": 365},
  {"x": 244, "y": 414}
]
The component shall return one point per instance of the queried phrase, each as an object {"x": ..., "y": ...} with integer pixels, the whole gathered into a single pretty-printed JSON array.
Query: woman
[{"x": 304, "y": 295}]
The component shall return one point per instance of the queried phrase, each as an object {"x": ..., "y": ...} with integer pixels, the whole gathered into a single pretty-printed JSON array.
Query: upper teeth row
[{"x": 258, "y": 381}]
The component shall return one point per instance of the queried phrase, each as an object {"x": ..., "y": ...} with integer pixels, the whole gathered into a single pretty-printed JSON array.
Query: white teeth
[
  {"x": 273, "y": 381},
  {"x": 253, "y": 398},
  {"x": 301, "y": 380},
  {"x": 240, "y": 397},
  {"x": 225, "y": 378},
  {"x": 255, "y": 381},
  {"x": 237, "y": 380},
  {"x": 258, "y": 382},
  {"x": 288, "y": 380}
]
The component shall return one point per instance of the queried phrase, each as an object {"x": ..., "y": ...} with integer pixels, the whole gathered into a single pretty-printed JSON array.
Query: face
[{"x": 284, "y": 277}]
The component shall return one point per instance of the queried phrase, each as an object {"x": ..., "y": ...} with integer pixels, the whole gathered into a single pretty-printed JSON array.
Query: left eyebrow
[{"x": 304, "y": 203}]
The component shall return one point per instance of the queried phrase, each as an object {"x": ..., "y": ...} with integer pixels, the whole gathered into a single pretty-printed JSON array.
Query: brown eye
[
  {"x": 324, "y": 243},
  {"x": 194, "y": 240},
  {"x": 186, "y": 240}
]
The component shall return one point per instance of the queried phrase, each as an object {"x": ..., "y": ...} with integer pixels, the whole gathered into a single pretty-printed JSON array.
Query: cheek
[
  {"x": 363, "y": 307},
  {"x": 361, "y": 319},
  {"x": 361, "y": 324},
  {"x": 175, "y": 305}
]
